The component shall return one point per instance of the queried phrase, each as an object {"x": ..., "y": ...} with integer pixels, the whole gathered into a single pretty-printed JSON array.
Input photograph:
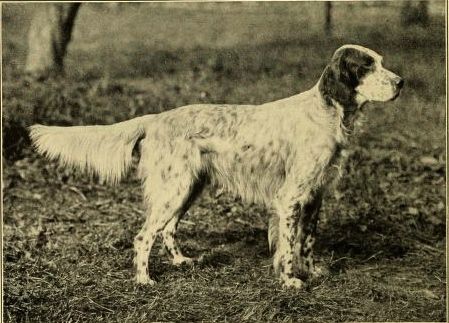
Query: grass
[{"x": 68, "y": 239}]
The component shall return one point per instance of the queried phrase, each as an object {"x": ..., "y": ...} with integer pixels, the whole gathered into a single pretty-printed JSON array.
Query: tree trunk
[
  {"x": 328, "y": 18},
  {"x": 415, "y": 13},
  {"x": 49, "y": 35}
]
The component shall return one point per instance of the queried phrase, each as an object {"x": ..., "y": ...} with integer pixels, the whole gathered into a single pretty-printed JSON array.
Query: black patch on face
[{"x": 343, "y": 74}]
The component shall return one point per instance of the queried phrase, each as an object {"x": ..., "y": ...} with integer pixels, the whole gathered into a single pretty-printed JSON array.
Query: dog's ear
[
  {"x": 333, "y": 84},
  {"x": 350, "y": 65},
  {"x": 343, "y": 74}
]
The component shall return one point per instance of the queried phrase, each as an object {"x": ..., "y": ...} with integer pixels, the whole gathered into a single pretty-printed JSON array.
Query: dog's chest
[
  {"x": 334, "y": 169},
  {"x": 322, "y": 154}
]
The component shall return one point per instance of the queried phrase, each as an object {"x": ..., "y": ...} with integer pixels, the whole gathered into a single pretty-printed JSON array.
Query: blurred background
[{"x": 100, "y": 63}]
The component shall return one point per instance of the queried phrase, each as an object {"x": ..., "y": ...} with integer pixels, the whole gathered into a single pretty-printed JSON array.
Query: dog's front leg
[
  {"x": 284, "y": 256},
  {"x": 306, "y": 237}
]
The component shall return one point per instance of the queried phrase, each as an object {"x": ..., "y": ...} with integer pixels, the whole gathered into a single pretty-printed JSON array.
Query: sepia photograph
[{"x": 224, "y": 161}]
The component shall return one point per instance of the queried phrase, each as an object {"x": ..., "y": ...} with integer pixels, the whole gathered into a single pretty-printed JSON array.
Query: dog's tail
[
  {"x": 273, "y": 232},
  {"x": 104, "y": 150}
]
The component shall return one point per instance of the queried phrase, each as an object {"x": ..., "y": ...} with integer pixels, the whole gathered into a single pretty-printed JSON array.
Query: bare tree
[
  {"x": 328, "y": 17},
  {"x": 415, "y": 13},
  {"x": 49, "y": 35}
]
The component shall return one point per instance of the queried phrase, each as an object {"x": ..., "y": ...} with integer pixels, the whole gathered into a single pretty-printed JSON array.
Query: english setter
[{"x": 280, "y": 154}]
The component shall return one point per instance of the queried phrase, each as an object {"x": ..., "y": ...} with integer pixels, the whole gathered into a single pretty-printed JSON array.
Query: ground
[{"x": 67, "y": 239}]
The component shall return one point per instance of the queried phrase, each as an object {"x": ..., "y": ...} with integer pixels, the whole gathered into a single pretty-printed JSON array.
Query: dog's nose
[{"x": 400, "y": 82}]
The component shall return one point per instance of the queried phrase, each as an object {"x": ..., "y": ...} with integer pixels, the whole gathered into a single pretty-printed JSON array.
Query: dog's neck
[
  {"x": 343, "y": 104},
  {"x": 344, "y": 121},
  {"x": 341, "y": 97}
]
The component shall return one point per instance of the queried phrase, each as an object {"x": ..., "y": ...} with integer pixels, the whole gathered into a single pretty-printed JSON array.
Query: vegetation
[{"x": 68, "y": 239}]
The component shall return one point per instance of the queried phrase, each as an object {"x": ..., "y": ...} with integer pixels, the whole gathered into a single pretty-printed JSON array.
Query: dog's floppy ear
[
  {"x": 351, "y": 65},
  {"x": 343, "y": 74},
  {"x": 334, "y": 83}
]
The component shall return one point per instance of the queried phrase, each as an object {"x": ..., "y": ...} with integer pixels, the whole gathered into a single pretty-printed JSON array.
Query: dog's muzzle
[{"x": 398, "y": 84}]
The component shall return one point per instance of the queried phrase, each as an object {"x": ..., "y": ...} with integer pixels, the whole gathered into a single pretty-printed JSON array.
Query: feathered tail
[{"x": 104, "y": 150}]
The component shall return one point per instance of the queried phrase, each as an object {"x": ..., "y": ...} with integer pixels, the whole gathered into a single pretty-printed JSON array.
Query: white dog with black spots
[{"x": 281, "y": 154}]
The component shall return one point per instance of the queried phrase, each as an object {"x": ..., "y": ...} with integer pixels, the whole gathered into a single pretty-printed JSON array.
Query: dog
[{"x": 281, "y": 154}]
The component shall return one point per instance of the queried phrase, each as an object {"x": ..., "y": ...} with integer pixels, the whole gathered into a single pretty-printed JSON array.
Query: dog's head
[{"x": 356, "y": 75}]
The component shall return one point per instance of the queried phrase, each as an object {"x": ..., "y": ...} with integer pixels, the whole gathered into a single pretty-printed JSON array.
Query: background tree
[
  {"x": 415, "y": 13},
  {"x": 48, "y": 37},
  {"x": 328, "y": 17}
]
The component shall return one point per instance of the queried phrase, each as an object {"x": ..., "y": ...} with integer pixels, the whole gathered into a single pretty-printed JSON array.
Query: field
[{"x": 67, "y": 239}]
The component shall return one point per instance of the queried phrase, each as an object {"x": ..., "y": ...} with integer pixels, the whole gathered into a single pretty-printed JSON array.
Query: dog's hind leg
[
  {"x": 170, "y": 244},
  {"x": 142, "y": 247},
  {"x": 168, "y": 234},
  {"x": 167, "y": 194}
]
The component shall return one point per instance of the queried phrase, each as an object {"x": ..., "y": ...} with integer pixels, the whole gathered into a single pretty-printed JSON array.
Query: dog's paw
[
  {"x": 144, "y": 280},
  {"x": 292, "y": 283},
  {"x": 177, "y": 261},
  {"x": 318, "y": 271}
]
